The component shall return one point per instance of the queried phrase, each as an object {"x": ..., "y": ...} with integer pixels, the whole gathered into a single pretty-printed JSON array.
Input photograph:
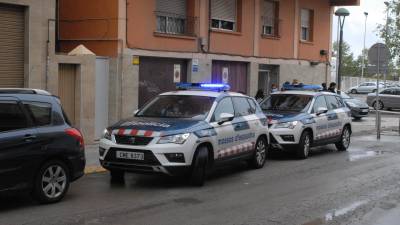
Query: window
[
  {"x": 332, "y": 102},
  {"x": 253, "y": 105},
  {"x": 224, "y": 106},
  {"x": 223, "y": 14},
  {"x": 340, "y": 101},
  {"x": 307, "y": 22},
  {"x": 171, "y": 16},
  {"x": 178, "y": 106},
  {"x": 242, "y": 107},
  {"x": 11, "y": 116},
  {"x": 40, "y": 112},
  {"x": 270, "y": 18},
  {"x": 289, "y": 102},
  {"x": 388, "y": 92},
  {"x": 319, "y": 103}
]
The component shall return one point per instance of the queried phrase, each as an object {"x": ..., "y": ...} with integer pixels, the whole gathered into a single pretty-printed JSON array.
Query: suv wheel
[
  {"x": 260, "y": 154},
  {"x": 303, "y": 149},
  {"x": 52, "y": 182},
  {"x": 199, "y": 167},
  {"x": 344, "y": 142},
  {"x": 353, "y": 91}
]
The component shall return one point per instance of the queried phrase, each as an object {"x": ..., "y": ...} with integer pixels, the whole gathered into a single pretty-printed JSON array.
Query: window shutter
[
  {"x": 305, "y": 18},
  {"x": 172, "y": 6},
  {"x": 268, "y": 12},
  {"x": 223, "y": 10}
]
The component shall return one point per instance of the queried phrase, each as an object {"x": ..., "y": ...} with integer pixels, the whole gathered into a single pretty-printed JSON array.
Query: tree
[
  {"x": 350, "y": 67},
  {"x": 390, "y": 31}
]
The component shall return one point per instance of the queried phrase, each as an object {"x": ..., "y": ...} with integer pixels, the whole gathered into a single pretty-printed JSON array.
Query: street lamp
[
  {"x": 386, "y": 36},
  {"x": 363, "y": 51},
  {"x": 341, "y": 14}
]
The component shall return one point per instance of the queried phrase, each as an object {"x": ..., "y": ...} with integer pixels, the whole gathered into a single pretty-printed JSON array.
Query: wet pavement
[{"x": 360, "y": 186}]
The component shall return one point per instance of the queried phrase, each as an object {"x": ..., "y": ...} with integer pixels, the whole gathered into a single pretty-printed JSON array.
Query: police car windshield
[
  {"x": 289, "y": 102},
  {"x": 178, "y": 106}
]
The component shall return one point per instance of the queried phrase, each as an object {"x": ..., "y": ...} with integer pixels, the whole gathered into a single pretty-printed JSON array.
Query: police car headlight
[
  {"x": 107, "y": 134},
  {"x": 174, "y": 139},
  {"x": 290, "y": 125}
]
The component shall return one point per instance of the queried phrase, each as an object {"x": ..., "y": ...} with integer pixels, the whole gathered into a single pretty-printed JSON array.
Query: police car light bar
[
  {"x": 301, "y": 87},
  {"x": 203, "y": 86}
]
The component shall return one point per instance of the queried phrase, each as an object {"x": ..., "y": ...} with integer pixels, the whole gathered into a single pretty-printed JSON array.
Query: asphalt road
[{"x": 360, "y": 186}]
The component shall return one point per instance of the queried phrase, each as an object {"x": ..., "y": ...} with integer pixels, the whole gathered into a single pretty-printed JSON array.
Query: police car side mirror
[
  {"x": 225, "y": 117},
  {"x": 321, "y": 110}
]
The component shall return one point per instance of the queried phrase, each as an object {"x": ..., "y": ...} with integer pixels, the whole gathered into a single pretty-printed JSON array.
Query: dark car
[
  {"x": 40, "y": 152},
  {"x": 358, "y": 108}
]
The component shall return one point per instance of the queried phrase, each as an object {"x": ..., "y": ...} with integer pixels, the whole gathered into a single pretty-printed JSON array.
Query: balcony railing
[
  {"x": 271, "y": 27},
  {"x": 169, "y": 23}
]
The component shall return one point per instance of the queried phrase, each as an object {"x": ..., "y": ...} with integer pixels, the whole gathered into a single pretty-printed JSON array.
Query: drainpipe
[
  {"x": 209, "y": 26},
  {"x": 48, "y": 52}
]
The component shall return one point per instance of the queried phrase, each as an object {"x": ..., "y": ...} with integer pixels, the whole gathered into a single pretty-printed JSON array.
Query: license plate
[
  {"x": 130, "y": 155},
  {"x": 365, "y": 110}
]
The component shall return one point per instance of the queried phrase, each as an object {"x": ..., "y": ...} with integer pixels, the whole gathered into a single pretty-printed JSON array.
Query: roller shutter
[
  {"x": 223, "y": 10},
  {"x": 172, "y": 6},
  {"x": 12, "y": 34},
  {"x": 67, "y": 89}
]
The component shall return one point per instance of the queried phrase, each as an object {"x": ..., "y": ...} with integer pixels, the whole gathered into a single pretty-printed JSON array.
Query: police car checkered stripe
[
  {"x": 134, "y": 132},
  {"x": 245, "y": 147},
  {"x": 329, "y": 134}
]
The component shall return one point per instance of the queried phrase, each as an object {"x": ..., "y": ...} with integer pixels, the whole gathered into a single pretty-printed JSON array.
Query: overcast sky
[{"x": 354, "y": 25}]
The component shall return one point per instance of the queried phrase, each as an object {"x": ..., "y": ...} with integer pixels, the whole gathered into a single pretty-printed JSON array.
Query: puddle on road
[
  {"x": 343, "y": 211},
  {"x": 333, "y": 214},
  {"x": 358, "y": 155}
]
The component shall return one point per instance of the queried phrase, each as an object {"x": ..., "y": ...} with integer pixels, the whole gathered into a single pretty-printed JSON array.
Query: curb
[{"x": 94, "y": 169}]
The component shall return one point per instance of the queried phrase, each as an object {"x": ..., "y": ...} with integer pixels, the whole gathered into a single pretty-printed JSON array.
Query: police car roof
[
  {"x": 214, "y": 94},
  {"x": 311, "y": 93}
]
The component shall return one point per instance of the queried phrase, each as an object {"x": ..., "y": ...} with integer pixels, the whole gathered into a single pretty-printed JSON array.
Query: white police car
[
  {"x": 299, "y": 120},
  {"x": 187, "y": 132}
]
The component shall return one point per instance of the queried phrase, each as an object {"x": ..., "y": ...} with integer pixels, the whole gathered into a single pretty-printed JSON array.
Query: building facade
[
  {"x": 143, "y": 47},
  {"x": 28, "y": 59}
]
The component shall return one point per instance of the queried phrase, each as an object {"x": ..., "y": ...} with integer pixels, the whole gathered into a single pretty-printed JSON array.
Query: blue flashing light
[{"x": 203, "y": 86}]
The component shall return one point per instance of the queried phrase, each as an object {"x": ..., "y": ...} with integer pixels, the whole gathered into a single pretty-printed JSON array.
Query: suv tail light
[{"x": 75, "y": 134}]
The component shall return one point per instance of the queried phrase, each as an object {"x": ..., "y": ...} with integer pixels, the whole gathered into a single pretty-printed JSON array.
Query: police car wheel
[
  {"x": 261, "y": 151},
  {"x": 304, "y": 146},
  {"x": 52, "y": 182},
  {"x": 117, "y": 175},
  {"x": 344, "y": 142},
  {"x": 199, "y": 167}
]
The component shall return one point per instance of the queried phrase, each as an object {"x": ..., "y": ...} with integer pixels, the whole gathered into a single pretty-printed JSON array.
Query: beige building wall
[{"x": 41, "y": 61}]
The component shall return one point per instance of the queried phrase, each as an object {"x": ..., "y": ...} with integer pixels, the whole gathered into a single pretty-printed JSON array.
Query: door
[
  {"x": 387, "y": 97},
  {"x": 101, "y": 113},
  {"x": 67, "y": 89},
  {"x": 266, "y": 79},
  {"x": 335, "y": 116},
  {"x": 17, "y": 140},
  {"x": 396, "y": 98},
  {"x": 156, "y": 75},
  {"x": 225, "y": 132},
  {"x": 321, "y": 120},
  {"x": 12, "y": 45},
  {"x": 236, "y": 73},
  {"x": 363, "y": 88}
]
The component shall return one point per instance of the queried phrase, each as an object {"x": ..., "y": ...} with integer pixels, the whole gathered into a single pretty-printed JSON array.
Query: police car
[
  {"x": 300, "y": 119},
  {"x": 187, "y": 132}
]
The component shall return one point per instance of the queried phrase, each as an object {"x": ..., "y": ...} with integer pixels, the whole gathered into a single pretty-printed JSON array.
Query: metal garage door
[
  {"x": 12, "y": 33},
  {"x": 237, "y": 74},
  {"x": 67, "y": 89},
  {"x": 156, "y": 75}
]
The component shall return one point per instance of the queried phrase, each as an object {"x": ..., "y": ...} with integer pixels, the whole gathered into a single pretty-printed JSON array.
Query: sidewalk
[{"x": 92, "y": 159}]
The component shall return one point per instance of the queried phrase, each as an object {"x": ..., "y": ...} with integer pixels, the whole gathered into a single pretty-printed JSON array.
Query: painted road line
[{"x": 94, "y": 169}]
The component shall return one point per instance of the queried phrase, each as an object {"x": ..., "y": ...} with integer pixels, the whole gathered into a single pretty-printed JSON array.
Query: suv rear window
[
  {"x": 40, "y": 112},
  {"x": 11, "y": 117}
]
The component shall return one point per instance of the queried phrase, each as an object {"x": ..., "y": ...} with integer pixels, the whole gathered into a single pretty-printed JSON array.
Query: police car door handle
[{"x": 29, "y": 137}]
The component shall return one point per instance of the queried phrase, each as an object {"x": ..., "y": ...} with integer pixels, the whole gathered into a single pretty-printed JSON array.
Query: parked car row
[{"x": 188, "y": 132}]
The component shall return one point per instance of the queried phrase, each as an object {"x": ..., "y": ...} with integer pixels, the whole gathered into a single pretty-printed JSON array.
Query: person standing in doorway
[{"x": 274, "y": 88}]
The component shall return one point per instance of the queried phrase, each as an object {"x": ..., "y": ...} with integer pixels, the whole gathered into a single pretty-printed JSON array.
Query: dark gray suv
[{"x": 39, "y": 149}]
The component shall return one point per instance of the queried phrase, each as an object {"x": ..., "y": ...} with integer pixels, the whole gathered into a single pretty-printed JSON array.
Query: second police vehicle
[
  {"x": 187, "y": 132},
  {"x": 302, "y": 117}
]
